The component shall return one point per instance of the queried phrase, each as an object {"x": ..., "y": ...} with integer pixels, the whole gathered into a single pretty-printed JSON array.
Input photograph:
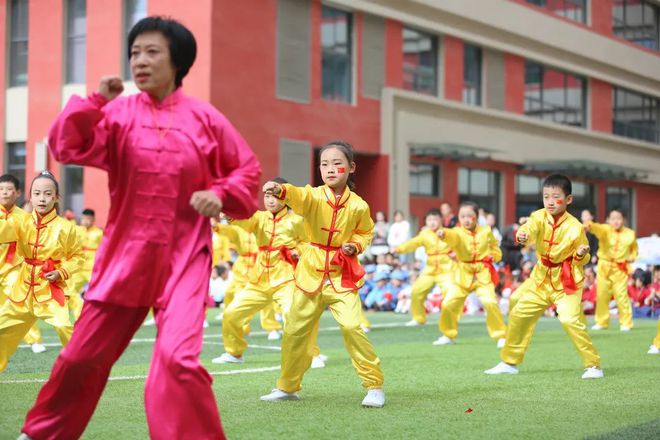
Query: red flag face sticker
[
  {"x": 469, "y": 410},
  {"x": 341, "y": 170},
  {"x": 559, "y": 202}
]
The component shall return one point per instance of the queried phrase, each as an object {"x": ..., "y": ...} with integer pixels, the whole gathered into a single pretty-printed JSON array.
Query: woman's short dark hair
[{"x": 182, "y": 44}]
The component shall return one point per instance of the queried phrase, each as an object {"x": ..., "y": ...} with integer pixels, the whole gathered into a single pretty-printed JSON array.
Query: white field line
[
  {"x": 122, "y": 378},
  {"x": 259, "y": 333}
]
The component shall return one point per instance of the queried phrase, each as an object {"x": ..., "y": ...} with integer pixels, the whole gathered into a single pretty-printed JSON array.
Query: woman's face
[
  {"x": 43, "y": 195},
  {"x": 398, "y": 217},
  {"x": 380, "y": 216},
  {"x": 151, "y": 65}
]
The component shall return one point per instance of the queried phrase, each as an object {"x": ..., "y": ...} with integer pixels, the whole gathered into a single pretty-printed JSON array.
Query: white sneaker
[
  {"x": 593, "y": 373},
  {"x": 206, "y": 324},
  {"x": 501, "y": 342},
  {"x": 365, "y": 328},
  {"x": 374, "y": 399},
  {"x": 444, "y": 340},
  {"x": 24, "y": 436},
  {"x": 317, "y": 362},
  {"x": 219, "y": 317},
  {"x": 274, "y": 335},
  {"x": 322, "y": 357},
  {"x": 653, "y": 350},
  {"x": 597, "y": 327},
  {"x": 276, "y": 395},
  {"x": 149, "y": 322},
  {"x": 413, "y": 323},
  {"x": 502, "y": 368},
  {"x": 279, "y": 317},
  {"x": 38, "y": 348},
  {"x": 226, "y": 358},
  {"x": 625, "y": 329}
]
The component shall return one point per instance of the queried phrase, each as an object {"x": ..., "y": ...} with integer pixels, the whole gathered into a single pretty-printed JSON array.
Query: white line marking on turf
[{"x": 122, "y": 378}]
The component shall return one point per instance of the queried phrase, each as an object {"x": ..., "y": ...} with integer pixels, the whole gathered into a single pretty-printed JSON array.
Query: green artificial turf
[{"x": 429, "y": 389}]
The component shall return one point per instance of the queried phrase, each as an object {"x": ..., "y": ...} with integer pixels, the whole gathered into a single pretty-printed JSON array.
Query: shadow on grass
[{"x": 650, "y": 430}]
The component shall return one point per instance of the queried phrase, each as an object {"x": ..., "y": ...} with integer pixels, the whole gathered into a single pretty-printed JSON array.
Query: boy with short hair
[{"x": 557, "y": 278}]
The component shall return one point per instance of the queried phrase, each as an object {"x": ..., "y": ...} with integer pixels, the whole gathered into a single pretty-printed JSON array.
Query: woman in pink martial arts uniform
[{"x": 172, "y": 162}]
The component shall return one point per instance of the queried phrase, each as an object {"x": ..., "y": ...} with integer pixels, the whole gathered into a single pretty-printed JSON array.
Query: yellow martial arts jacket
[
  {"x": 556, "y": 246},
  {"x": 277, "y": 235},
  {"x": 91, "y": 239},
  {"x": 438, "y": 261},
  {"x": 10, "y": 253},
  {"x": 245, "y": 244},
  {"x": 221, "y": 249},
  {"x": 330, "y": 221},
  {"x": 616, "y": 249},
  {"x": 48, "y": 243},
  {"x": 476, "y": 251}
]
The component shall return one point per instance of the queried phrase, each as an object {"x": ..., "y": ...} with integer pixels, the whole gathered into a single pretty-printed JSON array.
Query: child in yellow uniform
[
  {"x": 278, "y": 233},
  {"x": 339, "y": 227},
  {"x": 10, "y": 255},
  {"x": 476, "y": 250},
  {"x": 52, "y": 255},
  {"x": 245, "y": 244},
  {"x": 558, "y": 278},
  {"x": 655, "y": 347},
  {"x": 91, "y": 237},
  {"x": 617, "y": 248},
  {"x": 439, "y": 269}
]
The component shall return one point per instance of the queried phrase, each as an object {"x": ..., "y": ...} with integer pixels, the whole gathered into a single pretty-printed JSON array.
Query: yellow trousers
[
  {"x": 75, "y": 305},
  {"x": 533, "y": 302},
  {"x": 364, "y": 321},
  {"x": 16, "y": 320},
  {"x": 614, "y": 284},
  {"x": 452, "y": 307},
  {"x": 267, "y": 317},
  {"x": 244, "y": 306},
  {"x": 300, "y": 330},
  {"x": 656, "y": 341},
  {"x": 420, "y": 290},
  {"x": 34, "y": 334}
]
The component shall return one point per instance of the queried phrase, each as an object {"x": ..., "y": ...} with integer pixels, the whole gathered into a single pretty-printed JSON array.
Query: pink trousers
[{"x": 179, "y": 401}]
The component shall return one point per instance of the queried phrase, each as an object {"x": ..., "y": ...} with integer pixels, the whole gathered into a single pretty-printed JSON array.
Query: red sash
[
  {"x": 286, "y": 255},
  {"x": 567, "y": 279},
  {"x": 351, "y": 271},
  {"x": 46, "y": 267},
  {"x": 488, "y": 262},
  {"x": 11, "y": 251}
]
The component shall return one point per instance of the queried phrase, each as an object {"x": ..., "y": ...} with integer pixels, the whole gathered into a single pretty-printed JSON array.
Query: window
[
  {"x": 620, "y": 198},
  {"x": 554, "y": 96},
  {"x": 134, "y": 11},
  {"x": 575, "y": 10},
  {"x": 420, "y": 62},
  {"x": 635, "y": 115},
  {"x": 481, "y": 187},
  {"x": 424, "y": 179},
  {"x": 72, "y": 188},
  {"x": 472, "y": 75},
  {"x": 76, "y": 41},
  {"x": 18, "y": 43},
  {"x": 583, "y": 198},
  {"x": 528, "y": 195},
  {"x": 15, "y": 161},
  {"x": 337, "y": 55},
  {"x": 636, "y": 21}
]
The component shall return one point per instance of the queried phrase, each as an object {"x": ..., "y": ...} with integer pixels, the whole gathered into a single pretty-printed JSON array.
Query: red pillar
[
  {"x": 601, "y": 16},
  {"x": 393, "y": 54},
  {"x": 453, "y": 67},
  {"x": 514, "y": 87},
  {"x": 601, "y": 106},
  {"x": 44, "y": 76},
  {"x": 450, "y": 182}
]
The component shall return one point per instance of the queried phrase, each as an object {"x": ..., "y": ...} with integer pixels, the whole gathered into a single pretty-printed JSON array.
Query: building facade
[{"x": 443, "y": 100}]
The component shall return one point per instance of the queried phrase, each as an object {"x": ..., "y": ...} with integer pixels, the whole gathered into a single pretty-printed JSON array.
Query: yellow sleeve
[
  {"x": 73, "y": 253},
  {"x": 599, "y": 230},
  {"x": 634, "y": 249},
  {"x": 8, "y": 231},
  {"x": 229, "y": 232},
  {"x": 582, "y": 240},
  {"x": 531, "y": 228},
  {"x": 249, "y": 224},
  {"x": 410, "y": 245},
  {"x": 452, "y": 238},
  {"x": 494, "y": 247},
  {"x": 364, "y": 232},
  {"x": 299, "y": 199}
]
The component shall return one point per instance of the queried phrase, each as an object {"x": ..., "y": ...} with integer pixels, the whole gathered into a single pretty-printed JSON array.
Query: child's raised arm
[{"x": 299, "y": 199}]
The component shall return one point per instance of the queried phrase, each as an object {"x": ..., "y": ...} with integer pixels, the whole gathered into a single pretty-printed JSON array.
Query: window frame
[
  {"x": 435, "y": 179},
  {"x": 18, "y": 44},
  {"x": 434, "y": 62},
  {"x": 349, "y": 97},
  {"x": 70, "y": 74}
]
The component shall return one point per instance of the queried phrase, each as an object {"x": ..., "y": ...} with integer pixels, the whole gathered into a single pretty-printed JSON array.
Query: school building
[{"x": 443, "y": 100}]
